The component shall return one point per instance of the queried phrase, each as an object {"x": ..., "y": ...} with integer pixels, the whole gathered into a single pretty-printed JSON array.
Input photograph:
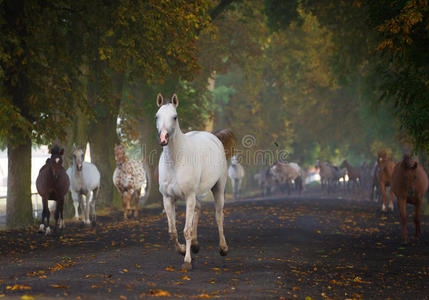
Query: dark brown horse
[
  {"x": 409, "y": 183},
  {"x": 53, "y": 184},
  {"x": 353, "y": 173}
]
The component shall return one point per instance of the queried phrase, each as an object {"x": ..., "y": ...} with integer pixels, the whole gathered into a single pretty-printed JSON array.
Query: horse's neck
[{"x": 174, "y": 151}]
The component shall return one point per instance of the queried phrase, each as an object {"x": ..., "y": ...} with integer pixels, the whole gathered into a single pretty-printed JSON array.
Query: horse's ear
[
  {"x": 74, "y": 146},
  {"x": 159, "y": 100},
  {"x": 175, "y": 100},
  {"x": 62, "y": 151}
]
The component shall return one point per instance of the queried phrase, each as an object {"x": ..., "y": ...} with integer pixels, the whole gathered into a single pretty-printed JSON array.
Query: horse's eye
[
  {"x": 175, "y": 118},
  {"x": 156, "y": 117}
]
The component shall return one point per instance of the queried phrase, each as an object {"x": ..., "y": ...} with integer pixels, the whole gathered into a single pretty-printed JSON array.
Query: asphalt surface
[{"x": 282, "y": 248}]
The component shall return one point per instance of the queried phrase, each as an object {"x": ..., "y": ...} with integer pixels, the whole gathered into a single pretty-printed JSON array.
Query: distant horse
[
  {"x": 190, "y": 165},
  {"x": 265, "y": 180},
  {"x": 337, "y": 174},
  {"x": 285, "y": 174},
  {"x": 299, "y": 180},
  {"x": 409, "y": 183},
  {"x": 130, "y": 179},
  {"x": 384, "y": 176},
  {"x": 52, "y": 183},
  {"x": 236, "y": 174},
  {"x": 353, "y": 173},
  {"x": 326, "y": 175},
  {"x": 84, "y": 180}
]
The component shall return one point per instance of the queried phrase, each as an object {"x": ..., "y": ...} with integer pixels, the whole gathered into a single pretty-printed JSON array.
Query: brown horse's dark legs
[
  {"x": 403, "y": 212},
  {"x": 417, "y": 218}
]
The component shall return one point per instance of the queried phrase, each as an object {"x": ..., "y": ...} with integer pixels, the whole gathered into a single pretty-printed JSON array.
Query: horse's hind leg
[
  {"x": 218, "y": 194},
  {"x": 45, "y": 215},
  {"x": 195, "y": 246},
  {"x": 170, "y": 211},
  {"x": 136, "y": 203}
]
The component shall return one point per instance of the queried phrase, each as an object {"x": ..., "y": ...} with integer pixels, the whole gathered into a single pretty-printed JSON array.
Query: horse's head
[
  {"x": 234, "y": 160},
  {"x": 166, "y": 118},
  {"x": 120, "y": 155},
  {"x": 56, "y": 160},
  {"x": 382, "y": 159},
  {"x": 409, "y": 167},
  {"x": 77, "y": 157},
  {"x": 344, "y": 164}
]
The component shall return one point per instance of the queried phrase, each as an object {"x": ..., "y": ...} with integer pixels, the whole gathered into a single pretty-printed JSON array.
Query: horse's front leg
[
  {"x": 195, "y": 246},
  {"x": 417, "y": 218},
  {"x": 403, "y": 212},
  {"x": 136, "y": 203},
  {"x": 75, "y": 198},
  {"x": 233, "y": 187},
  {"x": 383, "y": 196},
  {"x": 391, "y": 197},
  {"x": 170, "y": 211},
  {"x": 190, "y": 212},
  {"x": 92, "y": 207},
  {"x": 86, "y": 210},
  {"x": 239, "y": 188}
]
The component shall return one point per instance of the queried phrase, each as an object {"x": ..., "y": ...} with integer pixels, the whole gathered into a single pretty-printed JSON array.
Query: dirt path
[{"x": 279, "y": 248}]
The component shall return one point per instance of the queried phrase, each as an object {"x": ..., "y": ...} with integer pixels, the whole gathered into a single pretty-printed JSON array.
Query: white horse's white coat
[
  {"x": 84, "y": 180},
  {"x": 190, "y": 165},
  {"x": 236, "y": 174}
]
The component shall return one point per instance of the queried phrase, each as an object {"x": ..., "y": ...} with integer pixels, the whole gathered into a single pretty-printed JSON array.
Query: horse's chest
[{"x": 128, "y": 177}]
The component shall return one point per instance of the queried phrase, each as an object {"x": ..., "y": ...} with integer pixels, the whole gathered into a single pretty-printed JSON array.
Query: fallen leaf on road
[
  {"x": 159, "y": 293},
  {"x": 59, "y": 286},
  {"x": 18, "y": 287}
]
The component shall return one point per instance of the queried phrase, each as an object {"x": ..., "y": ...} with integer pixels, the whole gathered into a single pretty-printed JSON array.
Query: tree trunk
[
  {"x": 102, "y": 137},
  {"x": 19, "y": 210}
]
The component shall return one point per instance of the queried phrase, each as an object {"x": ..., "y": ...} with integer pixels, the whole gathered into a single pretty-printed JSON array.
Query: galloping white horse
[
  {"x": 191, "y": 164},
  {"x": 236, "y": 174},
  {"x": 84, "y": 180}
]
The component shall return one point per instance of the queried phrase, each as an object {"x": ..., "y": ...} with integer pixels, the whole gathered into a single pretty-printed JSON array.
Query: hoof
[
  {"x": 195, "y": 248},
  {"x": 93, "y": 224},
  {"x": 187, "y": 266},
  {"x": 42, "y": 228},
  {"x": 48, "y": 231},
  {"x": 223, "y": 252},
  {"x": 383, "y": 207},
  {"x": 181, "y": 249}
]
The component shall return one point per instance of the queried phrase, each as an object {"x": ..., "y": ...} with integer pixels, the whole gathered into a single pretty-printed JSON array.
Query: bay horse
[
  {"x": 84, "y": 180},
  {"x": 190, "y": 166},
  {"x": 353, "y": 173},
  {"x": 52, "y": 183},
  {"x": 385, "y": 167},
  {"x": 236, "y": 174},
  {"x": 409, "y": 183},
  {"x": 130, "y": 179}
]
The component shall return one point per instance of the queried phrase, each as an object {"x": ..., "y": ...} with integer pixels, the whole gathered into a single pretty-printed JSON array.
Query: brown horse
[
  {"x": 53, "y": 184},
  {"x": 385, "y": 172},
  {"x": 409, "y": 183},
  {"x": 352, "y": 172}
]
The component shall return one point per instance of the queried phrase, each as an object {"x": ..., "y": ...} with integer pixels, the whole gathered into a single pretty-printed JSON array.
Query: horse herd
[
  {"x": 83, "y": 179},
  {"x": 194, "y": 164},
  {"x": 406, "y": 179}
]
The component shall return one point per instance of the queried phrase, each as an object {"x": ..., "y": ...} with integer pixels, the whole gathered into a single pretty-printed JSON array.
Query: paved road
[{"x": 279, "y": 248}]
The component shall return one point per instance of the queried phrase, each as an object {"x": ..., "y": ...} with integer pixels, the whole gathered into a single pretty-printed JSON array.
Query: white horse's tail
[{"x": 229, "y": 141}]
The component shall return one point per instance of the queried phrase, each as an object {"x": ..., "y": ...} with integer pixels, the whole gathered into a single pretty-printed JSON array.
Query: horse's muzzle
[
  {"x": 79, "y": 167},
  {"x": 163, "y": 138}
]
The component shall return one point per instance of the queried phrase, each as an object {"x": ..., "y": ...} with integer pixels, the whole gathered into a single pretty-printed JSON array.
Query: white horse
[
  {"x": 236, "y": 174},
  {"x": 190, "y": 165},
  {"x": 84, "y": 180}
]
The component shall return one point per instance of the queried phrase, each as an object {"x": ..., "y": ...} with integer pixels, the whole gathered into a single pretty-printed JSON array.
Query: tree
[{"x": 37, "y": 92}]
